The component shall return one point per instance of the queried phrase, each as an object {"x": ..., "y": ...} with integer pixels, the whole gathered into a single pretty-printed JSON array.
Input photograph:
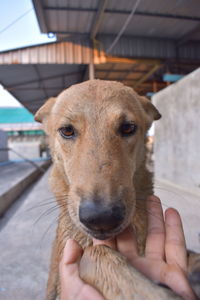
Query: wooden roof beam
[{"x": 147, "y": 75}]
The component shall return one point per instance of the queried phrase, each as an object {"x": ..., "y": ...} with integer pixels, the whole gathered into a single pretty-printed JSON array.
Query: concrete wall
[
  {"x": 177, "y": 134},
  {"x": 3, "y": 144},
  {"x": 29, "y": 150}
]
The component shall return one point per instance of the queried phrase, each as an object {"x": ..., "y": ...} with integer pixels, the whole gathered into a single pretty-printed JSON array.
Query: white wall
[{"x": 177, "y": 133}]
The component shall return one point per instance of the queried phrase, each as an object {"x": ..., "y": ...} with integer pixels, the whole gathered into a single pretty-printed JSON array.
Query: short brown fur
[{"x": 98, "y": 162}]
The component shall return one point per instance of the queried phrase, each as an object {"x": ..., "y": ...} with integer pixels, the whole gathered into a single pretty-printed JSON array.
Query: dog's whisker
[
  {"x": 54, "y": 198},
  {"x": 63, "y": 214},
  {"x": 40, "y": 204},
  {"x": 48, "y": 203},
  {"x": 46, "y": 213},
  {"x": 46, "y": 231}
]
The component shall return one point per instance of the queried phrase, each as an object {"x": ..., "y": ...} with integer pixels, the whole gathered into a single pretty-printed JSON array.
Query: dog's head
[{"x": 97, "y": 134}]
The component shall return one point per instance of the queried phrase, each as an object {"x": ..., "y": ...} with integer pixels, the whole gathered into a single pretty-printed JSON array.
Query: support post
[{"x": 91, "y": 65}]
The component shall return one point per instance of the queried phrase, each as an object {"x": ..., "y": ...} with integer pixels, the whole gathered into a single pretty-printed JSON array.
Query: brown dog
[{"x": 97, "y": 133}]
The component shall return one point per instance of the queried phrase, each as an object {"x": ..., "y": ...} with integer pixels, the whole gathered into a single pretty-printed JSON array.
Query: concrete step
[{"x": 15, "y": 177}]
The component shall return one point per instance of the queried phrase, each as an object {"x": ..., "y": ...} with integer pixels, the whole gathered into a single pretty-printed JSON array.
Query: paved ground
[
  {"x": 25, "y": 241},
  {"x": 15, "y": 177},
  {"x": 27, "y": 231},
  {"x": 188, "y": 204},
  {"x": 12, "y": 172}
]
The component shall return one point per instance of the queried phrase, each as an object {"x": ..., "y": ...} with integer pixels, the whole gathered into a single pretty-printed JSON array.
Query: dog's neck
[
  {"x": 143, "y": 178},
  {"x": 143, "y": 183}
]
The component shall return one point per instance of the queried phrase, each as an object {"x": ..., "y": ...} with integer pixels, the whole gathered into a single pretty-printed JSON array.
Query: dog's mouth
[{"x": 101, "y": 234}]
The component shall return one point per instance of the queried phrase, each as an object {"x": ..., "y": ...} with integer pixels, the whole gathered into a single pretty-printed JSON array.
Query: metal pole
[
  {"x": 91, "y": 64},
  {"x": 124, "y": 26}
]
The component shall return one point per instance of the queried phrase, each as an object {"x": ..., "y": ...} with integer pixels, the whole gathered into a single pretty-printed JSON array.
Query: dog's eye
[
  {"x": 67, "y": 132},
  {"x": 127, "y": 129}
]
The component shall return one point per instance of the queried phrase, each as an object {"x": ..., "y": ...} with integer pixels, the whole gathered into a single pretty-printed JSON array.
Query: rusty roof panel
[{"x": 54, "y": 53}]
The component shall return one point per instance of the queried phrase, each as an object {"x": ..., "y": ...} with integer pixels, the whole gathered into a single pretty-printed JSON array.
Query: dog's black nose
[{"x": 96, "y": 216}]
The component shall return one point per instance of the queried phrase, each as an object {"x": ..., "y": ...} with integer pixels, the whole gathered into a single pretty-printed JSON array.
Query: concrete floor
[
  {"x": 25, "y": 243},
  {"x": 26, "y": 236},
  {"x": 187, "y": 202}
]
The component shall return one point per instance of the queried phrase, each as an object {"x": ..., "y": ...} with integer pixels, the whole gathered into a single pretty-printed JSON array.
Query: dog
[{"x": 97, "y": 131}]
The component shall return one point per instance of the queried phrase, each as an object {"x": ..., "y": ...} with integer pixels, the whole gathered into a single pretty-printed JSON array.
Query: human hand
[
  {"x": 72, "y": 287},
  {"x": 165, "y": 259}
]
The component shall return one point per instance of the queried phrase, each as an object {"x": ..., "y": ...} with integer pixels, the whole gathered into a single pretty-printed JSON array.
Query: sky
[{"x": 18, "y": 28}]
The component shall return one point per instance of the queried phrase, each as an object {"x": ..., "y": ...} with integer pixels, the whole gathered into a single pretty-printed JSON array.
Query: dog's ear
[
  {"x": 150, "y": 109},
  {"x": 45, "y": 110}
]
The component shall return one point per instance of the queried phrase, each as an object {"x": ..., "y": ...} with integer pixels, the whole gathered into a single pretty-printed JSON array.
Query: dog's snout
[{"x": 97, "y": 216}]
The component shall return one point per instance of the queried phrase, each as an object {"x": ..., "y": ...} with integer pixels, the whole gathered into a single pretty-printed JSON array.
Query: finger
[
  {"x": 175, "y": 278},
  {"x": 175, "y": 247},
  {"x": 72, "y": 287},
  {"x": 127, "y": 244},
  {"x": 170, "y": 275},
  {"x": 156, "y": 230},
  {"x": 110, "y": 243},
  {"x": 68, "y": 270},
  {"x": 87, "y": 293},
  {"x": 151, "y": 268},
  {"x": 72, "y": 252}
]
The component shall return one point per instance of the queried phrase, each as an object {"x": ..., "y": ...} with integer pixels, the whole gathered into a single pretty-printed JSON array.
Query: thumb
[{"x": 72, "y": 252}]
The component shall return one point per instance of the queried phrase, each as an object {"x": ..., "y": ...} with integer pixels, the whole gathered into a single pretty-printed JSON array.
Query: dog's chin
[
  {"x": 100, "y": 235},
  {"x": 103, "y": 235}
]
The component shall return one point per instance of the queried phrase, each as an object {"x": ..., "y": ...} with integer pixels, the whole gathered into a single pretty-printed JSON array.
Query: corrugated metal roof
[
  {"x": 78, "y": 52},
  {"x": 33, "y": 84},
  {"x": 178, "y": 7},
  {"x": 162, "y": 36},
  {"x": 146, "y": 26},
  {"x": 153, "y": 18},
  {"x": 74, "y": 3},
  {"x": 142, "y": 47}
]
